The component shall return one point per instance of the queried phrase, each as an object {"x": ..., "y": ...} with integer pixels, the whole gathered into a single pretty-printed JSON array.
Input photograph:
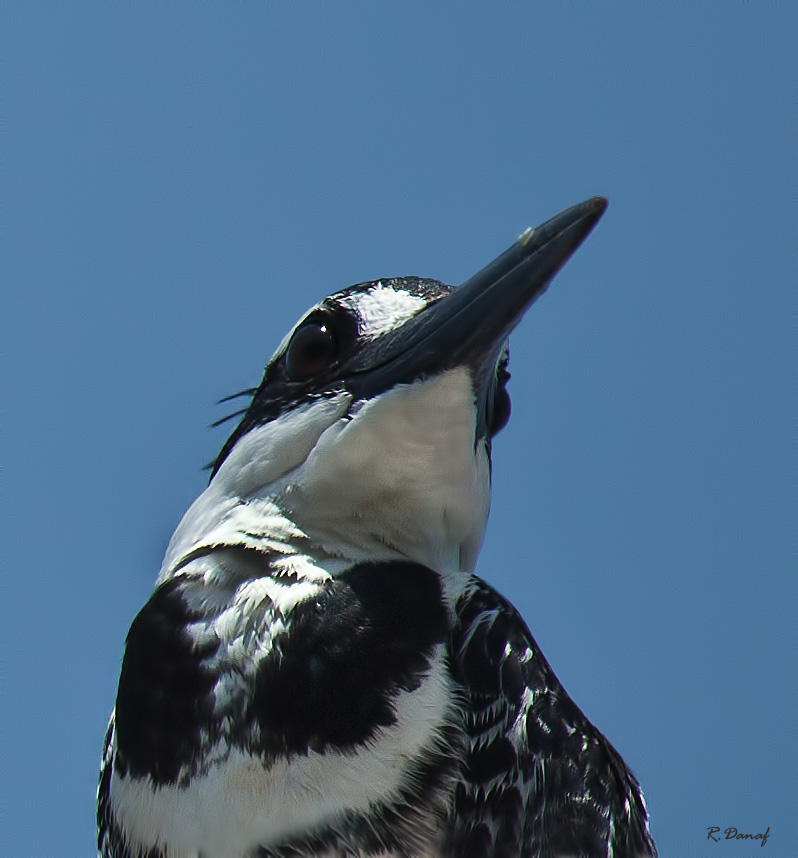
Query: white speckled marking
[{"x": 383, "y": 308}]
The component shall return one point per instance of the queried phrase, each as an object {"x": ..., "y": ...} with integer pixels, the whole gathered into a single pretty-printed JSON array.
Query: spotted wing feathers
[{"x": 540, "y": 781}]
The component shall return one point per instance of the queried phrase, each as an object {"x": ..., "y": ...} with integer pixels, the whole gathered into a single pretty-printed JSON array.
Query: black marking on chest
[
  {"x": 165, "y": 693},
  {"x": 331, "y": 679}
]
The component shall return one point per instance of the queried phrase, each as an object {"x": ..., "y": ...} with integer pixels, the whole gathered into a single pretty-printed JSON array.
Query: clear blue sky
[{"x": 181, "y": 181}]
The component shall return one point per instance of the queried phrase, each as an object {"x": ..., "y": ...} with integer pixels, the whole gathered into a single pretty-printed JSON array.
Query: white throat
[{"x": 399, "y": 476}]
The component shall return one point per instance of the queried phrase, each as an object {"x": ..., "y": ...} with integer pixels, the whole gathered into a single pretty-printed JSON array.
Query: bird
[{"x": 319, "y": 671}]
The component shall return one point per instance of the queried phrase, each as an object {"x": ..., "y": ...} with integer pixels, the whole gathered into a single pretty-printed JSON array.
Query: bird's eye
[{"x": 312, "y": 349}]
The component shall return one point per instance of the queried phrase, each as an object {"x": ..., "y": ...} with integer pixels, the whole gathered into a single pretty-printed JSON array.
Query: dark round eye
[{"x": 312, "y": 349}]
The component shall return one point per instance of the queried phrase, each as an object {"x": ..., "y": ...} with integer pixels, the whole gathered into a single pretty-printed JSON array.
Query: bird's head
[{"x": 371, "y": 429}]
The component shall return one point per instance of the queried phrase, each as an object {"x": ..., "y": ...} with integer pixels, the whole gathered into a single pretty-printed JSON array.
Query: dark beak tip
[
  {"x": 591, "y": 210},
  {"x": 594, "y": 209},
  {"x": 581, "y": 217},
  {"x": 598, "y": 205}
]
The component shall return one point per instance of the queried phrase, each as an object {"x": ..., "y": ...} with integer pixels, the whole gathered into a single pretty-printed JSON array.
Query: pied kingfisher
[{"x": 319, "y": 672}]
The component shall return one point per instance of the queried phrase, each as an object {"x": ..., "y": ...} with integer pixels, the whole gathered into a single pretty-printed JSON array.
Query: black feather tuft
[
  {"x": 228, "y": 416},
  {"x": 250, "y": 391}
]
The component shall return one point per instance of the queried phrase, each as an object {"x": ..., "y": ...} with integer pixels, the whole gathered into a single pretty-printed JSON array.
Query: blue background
[{"x": 181, "y": 181}]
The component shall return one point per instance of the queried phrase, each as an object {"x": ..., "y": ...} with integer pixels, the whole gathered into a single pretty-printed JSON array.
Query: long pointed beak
[{"x": 470, "y": 325}]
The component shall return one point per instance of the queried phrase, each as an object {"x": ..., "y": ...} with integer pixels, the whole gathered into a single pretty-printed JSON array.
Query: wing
[{"x": 540, "y": 781}]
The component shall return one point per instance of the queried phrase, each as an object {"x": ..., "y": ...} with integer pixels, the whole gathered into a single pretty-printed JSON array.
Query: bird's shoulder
[{"x": 539, "y": 780}]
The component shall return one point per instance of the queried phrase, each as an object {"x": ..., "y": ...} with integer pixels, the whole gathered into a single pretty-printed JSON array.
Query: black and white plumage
[{"x": 319, "y": 672}]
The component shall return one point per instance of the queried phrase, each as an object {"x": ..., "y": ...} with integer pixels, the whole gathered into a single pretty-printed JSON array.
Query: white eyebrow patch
[{"x": 383, "y": 308}]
